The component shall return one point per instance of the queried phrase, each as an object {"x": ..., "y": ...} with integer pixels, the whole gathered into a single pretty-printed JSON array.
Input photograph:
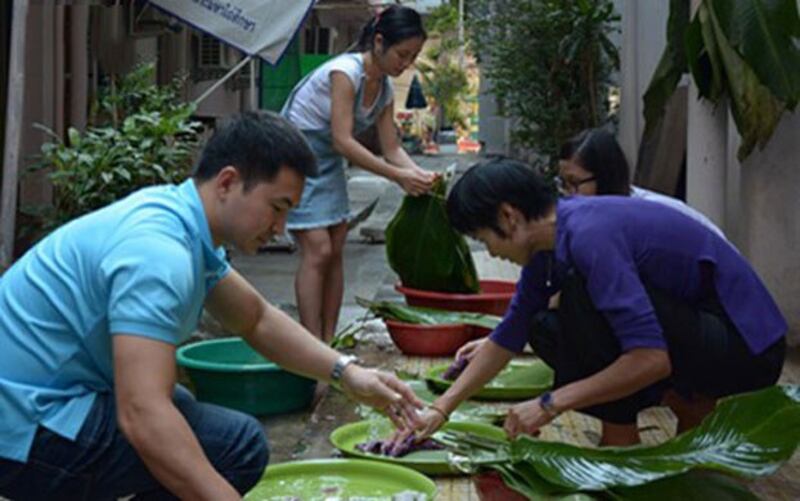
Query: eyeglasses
[{"x": 571, "y": 187}]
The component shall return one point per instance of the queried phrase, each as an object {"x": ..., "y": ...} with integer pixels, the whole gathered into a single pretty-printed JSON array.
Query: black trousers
[{"x": 708, "y": 355}]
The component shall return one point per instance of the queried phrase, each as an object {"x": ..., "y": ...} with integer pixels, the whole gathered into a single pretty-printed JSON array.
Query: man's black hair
[
  {"x": 474, "y": 200},
  {"x": 597, "y": 151},
  {"x": 258, "y": 144}
]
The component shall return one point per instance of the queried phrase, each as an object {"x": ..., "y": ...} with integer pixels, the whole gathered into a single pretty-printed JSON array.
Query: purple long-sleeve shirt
[{"x": 617, "y": 244}]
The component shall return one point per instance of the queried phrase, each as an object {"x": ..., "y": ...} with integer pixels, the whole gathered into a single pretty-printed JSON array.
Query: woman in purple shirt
[{"x": 651, "y": 300}]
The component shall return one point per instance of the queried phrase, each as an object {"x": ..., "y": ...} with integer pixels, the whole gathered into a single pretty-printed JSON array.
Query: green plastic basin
[{"x": 230, "y": 373}]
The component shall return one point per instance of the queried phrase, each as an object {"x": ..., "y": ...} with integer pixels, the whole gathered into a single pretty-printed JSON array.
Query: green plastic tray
[
  {"x": 322, "y": 479},
  {"x": 519, "y": 380},
  {"x": 345, "y": 438}
]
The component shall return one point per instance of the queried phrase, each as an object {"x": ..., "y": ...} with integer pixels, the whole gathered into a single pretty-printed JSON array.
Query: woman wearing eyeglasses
[{"x": 592, "y": 163}]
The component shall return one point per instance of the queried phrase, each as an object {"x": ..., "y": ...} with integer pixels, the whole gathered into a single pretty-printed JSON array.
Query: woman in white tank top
[{"x": 333, "y": 104}]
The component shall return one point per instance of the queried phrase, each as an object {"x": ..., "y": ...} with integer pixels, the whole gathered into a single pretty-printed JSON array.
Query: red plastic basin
[
  {"x": 490, "y": 487},
  {"x": 429, "y": 340},
  {"x": 479, "y": 332},
  {"x": 493, "y": 298}
]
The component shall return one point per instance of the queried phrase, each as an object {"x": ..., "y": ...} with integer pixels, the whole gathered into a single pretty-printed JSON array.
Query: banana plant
[{"x": 744, "y": 50}]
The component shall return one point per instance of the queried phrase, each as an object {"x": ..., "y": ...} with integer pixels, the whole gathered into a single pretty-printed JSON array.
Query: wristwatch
[
  {"x": 341, "y": 363},
  {"x": 548, "y": 405}
]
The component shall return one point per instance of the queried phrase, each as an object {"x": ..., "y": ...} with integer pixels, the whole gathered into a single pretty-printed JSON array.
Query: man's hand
[
  {"x": 384, "y": 392},
  {"x": 526, "y": 417}
]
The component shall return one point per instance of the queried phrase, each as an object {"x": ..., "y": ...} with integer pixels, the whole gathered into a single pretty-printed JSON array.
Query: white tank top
[{"x": 311, "y": 108}]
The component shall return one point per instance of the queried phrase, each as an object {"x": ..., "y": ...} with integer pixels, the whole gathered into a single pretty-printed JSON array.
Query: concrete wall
[
  {"x": 769, "y": 227},
  {"x": 644, "y": 32}
]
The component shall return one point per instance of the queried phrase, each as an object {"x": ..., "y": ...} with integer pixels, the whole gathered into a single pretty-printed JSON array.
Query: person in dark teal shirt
[{"x": 90, "y": 318}]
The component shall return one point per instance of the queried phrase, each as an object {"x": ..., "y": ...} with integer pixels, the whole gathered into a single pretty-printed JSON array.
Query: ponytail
[{"x": 395, "y": 24}]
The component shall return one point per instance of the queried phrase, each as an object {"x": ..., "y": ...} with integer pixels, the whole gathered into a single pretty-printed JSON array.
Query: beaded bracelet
[{"x": 440, "y": 411}]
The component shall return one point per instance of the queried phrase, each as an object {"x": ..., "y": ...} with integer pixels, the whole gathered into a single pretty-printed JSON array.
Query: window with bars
[
  {"x": 211, "y": 53},
  {"x": 317, "y": 40}
]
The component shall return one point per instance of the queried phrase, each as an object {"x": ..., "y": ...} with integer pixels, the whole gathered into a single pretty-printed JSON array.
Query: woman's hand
[
  {"x": 526, "y": 417},
  {"x": 431, "y": 420},
  {"x": 384, "y": 392},
  {"x": 428, "y": 422},
  {"x": 414, "y": 180},
  {"x": 469, "y": 350}
]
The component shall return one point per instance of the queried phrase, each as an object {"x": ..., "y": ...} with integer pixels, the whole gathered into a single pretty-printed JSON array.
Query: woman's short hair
[{"x": 475, "y": 199}]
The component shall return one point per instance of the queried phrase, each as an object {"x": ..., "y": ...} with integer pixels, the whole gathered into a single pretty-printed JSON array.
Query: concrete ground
[{"x": 304, "y": 435}]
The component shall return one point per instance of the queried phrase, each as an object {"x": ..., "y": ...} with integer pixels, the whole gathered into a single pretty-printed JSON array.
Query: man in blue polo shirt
[
  {"x": 653, "y": 304},
  {"x": 90, "y": 318}
]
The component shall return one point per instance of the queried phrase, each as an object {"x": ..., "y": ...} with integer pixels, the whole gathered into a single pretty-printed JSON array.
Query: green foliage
[
  {"x": 670, "y": 67},
  {"x": 548, "y": 63},
  {"x": 447, "y": 83},
  {"x": 745, "y": 50},
  {"x": 748, "y": 435},
  {"x": 428, "y": 316},
  {"x": 424, "y": 250},
  {"x": 152, "y": 143},
  {"x": 442, "y": 19}
]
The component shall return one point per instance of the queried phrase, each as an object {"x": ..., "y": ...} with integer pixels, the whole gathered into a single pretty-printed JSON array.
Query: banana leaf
[
  {"x": 691, "y": 486},
  {"x": 747, "y": 435},
  {"x": 427, "y": 316},
  {"x": 755, "y": 109},
  {"x": 762, "y": 32},
  {"x": 424, "y": 250},
  {"x": 670, "y": 68},
  {"x": 745, "y": 50}
]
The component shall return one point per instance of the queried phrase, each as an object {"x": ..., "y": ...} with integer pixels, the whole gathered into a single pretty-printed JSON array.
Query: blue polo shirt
[
  {"x": 618, "y": 244},
  {"x": 141, "y": 266}
]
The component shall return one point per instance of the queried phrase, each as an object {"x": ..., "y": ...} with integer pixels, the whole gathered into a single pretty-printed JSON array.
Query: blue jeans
[{"x": 100, "y": 464}]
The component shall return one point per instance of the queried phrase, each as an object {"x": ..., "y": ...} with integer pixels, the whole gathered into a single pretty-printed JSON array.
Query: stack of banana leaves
[
  {"x": 748, "y": 436},
  {"x": 427, "y": 316},
  {"x": 424, "y": 250}
]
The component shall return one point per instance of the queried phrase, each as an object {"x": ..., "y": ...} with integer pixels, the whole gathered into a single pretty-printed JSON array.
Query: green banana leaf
[
  {"x": 691, "y": 486},
  {"x": 761, "y": 32},
  {"x": 747, "y": 435},
  {"x": 755, "y": 109},
  {"x": 745, "y": 50},
  {"x": 427, "y": 316},
  {"x": 670, "y": 67},
  {"x": 424, "y": 250}
]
